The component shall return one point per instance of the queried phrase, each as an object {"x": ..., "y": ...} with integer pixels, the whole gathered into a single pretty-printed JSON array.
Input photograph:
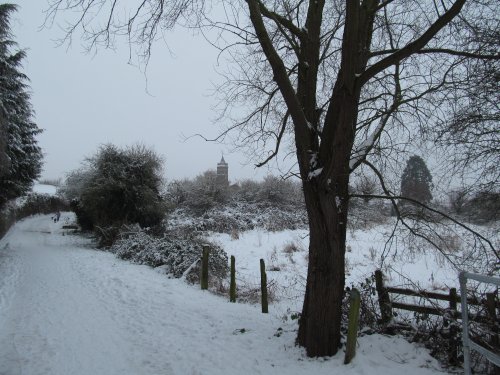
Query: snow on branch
[{"x": 363, "y": 150}]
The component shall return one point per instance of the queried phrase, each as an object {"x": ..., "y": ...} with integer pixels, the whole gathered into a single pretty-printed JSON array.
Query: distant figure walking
[{"x": 57, "y": 216}]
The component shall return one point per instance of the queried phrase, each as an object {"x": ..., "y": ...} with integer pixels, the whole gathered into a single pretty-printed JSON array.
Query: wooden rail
[
  {"x": 387, "y": 305},
  {"x": 439, "y": 296}
]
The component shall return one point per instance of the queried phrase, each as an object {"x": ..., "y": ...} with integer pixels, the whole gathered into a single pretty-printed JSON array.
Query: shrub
[
  {"x": 205, "y": 193},
  {"x": 241, "y": 216},
  {"x": 278, "y": 191},
  {"x": 483, "y": 207},
  {"x": 117, "y": 186},
  {"x": 177, "y": 253},
  {"x": 82, "y": 216}
]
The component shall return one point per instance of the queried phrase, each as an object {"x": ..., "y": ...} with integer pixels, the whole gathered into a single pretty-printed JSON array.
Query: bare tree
[
  {"x": 470, "y": 133},
  {"x": 337, "y": 84}
]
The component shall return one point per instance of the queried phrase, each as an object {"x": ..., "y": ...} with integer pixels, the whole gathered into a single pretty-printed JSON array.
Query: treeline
[
  {"x": 202, "y": 193},
  {"x": 124, "y": 186}
]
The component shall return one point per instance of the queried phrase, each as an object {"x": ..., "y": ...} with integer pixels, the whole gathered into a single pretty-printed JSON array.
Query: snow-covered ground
[
  {"x": 68, "y": 309},
  {"x": 285, "y": 254}
]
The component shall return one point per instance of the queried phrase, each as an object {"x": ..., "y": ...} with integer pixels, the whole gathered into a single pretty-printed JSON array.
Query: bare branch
[
  {"x": 414, "y": 46},
  {"x": 447, "y": 51},
  {"x": 423, "y": 205},
  {"x": 283, "y": 21},
  {"x": 277, "y": 65},
  {"x": 278, "y": 142}
]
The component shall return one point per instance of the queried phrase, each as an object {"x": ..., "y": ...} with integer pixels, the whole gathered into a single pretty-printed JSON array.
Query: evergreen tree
[
  {"x": 20, "y": 155},
  {"x": 416, "y": 182}
]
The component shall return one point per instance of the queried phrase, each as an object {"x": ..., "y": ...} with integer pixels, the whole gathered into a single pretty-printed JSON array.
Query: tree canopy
[{"x": 416, "y": 181}]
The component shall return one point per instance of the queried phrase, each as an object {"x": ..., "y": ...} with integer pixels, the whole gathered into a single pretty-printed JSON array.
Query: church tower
[{"x": 222, "y": 173}]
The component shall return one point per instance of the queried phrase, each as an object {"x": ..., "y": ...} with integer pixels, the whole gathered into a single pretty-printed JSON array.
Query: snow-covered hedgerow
[
  {"x": 241, "y": 216},
  {"x": 39, "y": 203},
  {"x": 178, "y": 255},
  {"x": 30, "y": 204},
  {"x": 7, "y": 217}
]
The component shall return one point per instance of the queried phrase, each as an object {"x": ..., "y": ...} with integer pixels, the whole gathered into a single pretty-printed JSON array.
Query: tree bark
[
  {"x": 326, "y": 198},
  {"x": 319, "y": 325}
]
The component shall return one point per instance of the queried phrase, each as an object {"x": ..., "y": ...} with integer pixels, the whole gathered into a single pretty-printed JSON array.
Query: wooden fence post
[
  {"x": 492, "y": 313},
  {"x": 383, "y": 298},
  {"x": 204, "y": 268},
  {"x": 232, "y": 286},
  {"x": 452, "y": 355},
  {"x": 263, "y": 287},
  {"x": 352, "y": 330}
]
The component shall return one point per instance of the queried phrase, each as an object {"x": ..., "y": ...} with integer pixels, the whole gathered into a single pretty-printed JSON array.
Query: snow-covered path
[{"x": 68, "y": 309}]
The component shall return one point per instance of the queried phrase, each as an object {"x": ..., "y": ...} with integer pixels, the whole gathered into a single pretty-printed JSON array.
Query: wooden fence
[{"x": 386, "y": 304}]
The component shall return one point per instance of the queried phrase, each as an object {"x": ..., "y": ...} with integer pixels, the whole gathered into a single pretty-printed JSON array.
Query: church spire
[
  {"x": 222, "y": 173},
  {"x": 222, "y": 161}
]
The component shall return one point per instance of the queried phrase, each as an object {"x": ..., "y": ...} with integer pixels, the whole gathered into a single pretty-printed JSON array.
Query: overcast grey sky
[{"x": 82, "y": 100}]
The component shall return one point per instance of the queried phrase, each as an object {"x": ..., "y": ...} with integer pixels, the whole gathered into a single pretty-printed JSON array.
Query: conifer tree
[
  {"x": 21, "y": 157},
  {"x": 416, "y": 182}
]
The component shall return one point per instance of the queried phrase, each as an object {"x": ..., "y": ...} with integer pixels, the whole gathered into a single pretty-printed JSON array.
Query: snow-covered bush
[
  {"x": 248, "y": 191},
  {"x": 118, "y": 186},
  {"x": 363, "y": 215},
  {"x": 279, "y": 220},
  {"x": 177, "y": 253},
  {"x": 278, "y": 192},
  {"x": 483, "y": 207},
  {"x": 203, "y": 194},
  {"x": 240, "y": 216},
  {"x": 198, "y": 195}
]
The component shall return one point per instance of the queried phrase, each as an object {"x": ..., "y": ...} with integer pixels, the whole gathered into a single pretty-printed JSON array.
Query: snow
[
  {"x": 365, "y": 253},
  {"x": 315, "y": 173},
  {"x": 66, "y": 308},
  {"x": 45, "y": 189},
  {"x": 363, "y": 149},
  {"x": 338, "y": 203}
]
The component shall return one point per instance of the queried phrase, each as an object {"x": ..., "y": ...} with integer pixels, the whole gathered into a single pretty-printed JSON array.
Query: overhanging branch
[
  {"x": 414, "y": 46},
  {"x": 447, "y": 51},
  {"x": 278, "y": 142}
]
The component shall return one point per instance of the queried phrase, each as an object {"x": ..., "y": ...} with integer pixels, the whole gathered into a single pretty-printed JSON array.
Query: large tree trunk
[
  {"x": 323, "y": 157},
  {"x": 319, "y": 325},
  {"x": 326, "y": 200}
]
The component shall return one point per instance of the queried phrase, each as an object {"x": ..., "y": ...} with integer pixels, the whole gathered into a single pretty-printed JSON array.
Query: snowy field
[
  {"x": 68, "y": 309},
  {"x": 285, "y": 254}
]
